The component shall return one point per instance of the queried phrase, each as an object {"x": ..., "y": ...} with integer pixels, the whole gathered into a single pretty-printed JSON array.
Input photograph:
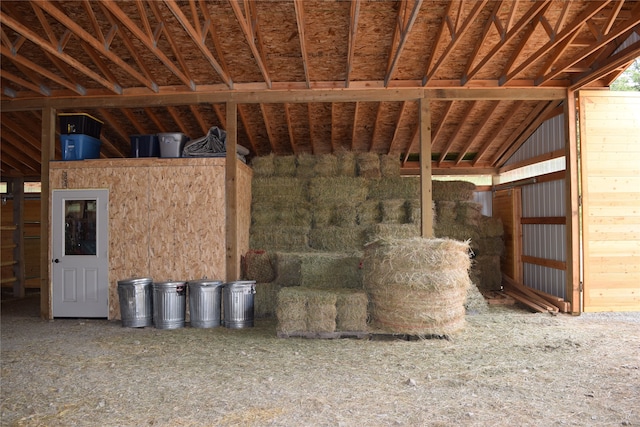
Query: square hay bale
[
  {"x": 351, "y": 310},
  {"x": 368, "y": 212},
  {"x": 258, "y": 266},
  {"x": 446, "y": 211},
  {"x": 265, "y": 214},
  {"x": 291, "y": 310},
  {"x": 414, "y": 211},
  {"x": 493, "y": 246},
  {"x": 368, "y": 165},
  {"x": 305, "y": 165},
  {"x": 263, "y": 166},
  {"x": 454, "y": 230},
  {"x": 394, "y": 188},
  {"x": 266, "y": 299},
  {"x": 392, "y": 231},
  {"x": 322, "y": 216},
  {"x": 337, "y": 190},
  {"x": 453, "y": 191},
  {"x": 284, "y": 165},
  {"x": 394, "y": 211},
  {"x": 326, "y": 165},
  {"x": 283, "y": 238},
  {"x": 468, "y": 213},
  {"x": 390, "y": 165},
  {"x": 330, "y": 270},
  {"x": 346, "y": 164},
  {"x": 288, "y": 269},
  {"x": 279, "y": 192},
  {"x": 337, "y": 239},
  {"x": 345, "y": 215},
  {"x": 321, "y": 310},
  {"x": 486, "y": 274},
  {"x": 491, "y": 227}
]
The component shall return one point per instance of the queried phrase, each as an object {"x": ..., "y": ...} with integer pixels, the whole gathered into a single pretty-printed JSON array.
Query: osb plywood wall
[{"x": 167, "y": 217}]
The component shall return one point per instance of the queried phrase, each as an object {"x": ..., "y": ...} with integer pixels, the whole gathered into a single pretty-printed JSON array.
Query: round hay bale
[
  {"x": 389, "y": 165},
  {"x": 258, "y": 266},
  {"x": 368, "y": 165},
  {"x": 346, "y": 164},
  {"x": 263, "y": 166},
  {"x": 284, "y": 165},
  {"x": 305, "y": 165},
  {"x": 417, "y": 285},
  {"x": 326, "y": 165},
  {"x": 452, "y": 190}
]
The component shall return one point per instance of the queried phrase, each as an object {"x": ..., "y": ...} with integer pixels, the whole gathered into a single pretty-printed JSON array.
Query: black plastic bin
[
  {"x": 144, "y": 146},
  {"x": 81, "y": 123}
]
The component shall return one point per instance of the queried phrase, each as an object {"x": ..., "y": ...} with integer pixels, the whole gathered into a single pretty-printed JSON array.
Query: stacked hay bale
[
  {"x": 313, "y": 215},
  {"x": 417, "y": 286}
]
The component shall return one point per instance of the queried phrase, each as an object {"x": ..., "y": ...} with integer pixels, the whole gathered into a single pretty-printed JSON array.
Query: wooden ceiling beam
[
  {"x": 86, "y": 5},
  {"x": 531, "y": 16},
  {"x": 246, "y": 28},
  {"x": 401, "y": 33},
  {"x": 204, "y": 126},
  {"x": 134, "y": 121},
  {"x": 301, "y": 36},
  {"x": 292, "y": 139},
  {"x": 245, "y": 124},
  {"x": 436, "y": 41},
  {"x": 619, "y": 29},
  {"x": 413, "y": 142},
  {"x": 460, "y": 33},
  {"x": 26, "y": 84},
  {"x": 150, "y": 44},
  {"x": 175, "y": 115},
  {"x": 161, "y": 125},
  {"x": 17, "y": 136},
  {"x": 268, "y": 127},
  {"x": 354, "y": 129},
  {"x": 79, "y": 32},
  {"x": 494, "y": 134},
  {"x": 481, "y": 41},
  {"x": 97, "y": 60},
  {"x": 569, "y": 29},
  {"x": 199, "y": 41},
  {"x": 116, "y": 125},
  {"x": 18, "y": 161},
  {"x": 614, "y": 62},
  {"x": 396, "y": 130},
  {"x": 454, "y": 136},
  {"x": 22, "y": 61},
  {"x": 353, "y": 30},
  {"x": 472, "y": 138}
]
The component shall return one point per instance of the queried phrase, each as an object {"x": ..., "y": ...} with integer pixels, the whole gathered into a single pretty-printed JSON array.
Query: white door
[{"x": 79, "y": 222}]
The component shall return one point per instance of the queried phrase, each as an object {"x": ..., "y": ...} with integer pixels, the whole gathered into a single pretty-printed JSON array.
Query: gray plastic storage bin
[
  {"x": 204, "y": 303},
  {"x": 172, "y": 143},
  {"x": 136, "y": 302}
]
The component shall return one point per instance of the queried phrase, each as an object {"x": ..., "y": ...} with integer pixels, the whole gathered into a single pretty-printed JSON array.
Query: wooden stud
[
  {"x": 231, "y": 185},
  {"x": 572, "y": 206},
  {"x": 426, "y": 196},
  {"x": 47, "y": 154}
]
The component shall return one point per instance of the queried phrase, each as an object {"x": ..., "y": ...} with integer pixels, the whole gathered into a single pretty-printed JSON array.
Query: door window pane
[{"x": 80, "y": 227}]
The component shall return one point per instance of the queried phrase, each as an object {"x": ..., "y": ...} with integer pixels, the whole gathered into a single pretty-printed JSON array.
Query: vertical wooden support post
[
  {"x": 47, "y": 153},
  {"x": 18, "y": 237},
  {"x": 426, "y": 196},
  {"x": 231, "y": 189},
  {"x": 573, "y": 291}
]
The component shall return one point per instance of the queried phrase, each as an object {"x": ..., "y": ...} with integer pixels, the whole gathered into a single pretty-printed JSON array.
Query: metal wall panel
[
  {"x": 547, "y": 138},
  {"x": 485, "y": 198},
  {"x": 547, "y": 241}
]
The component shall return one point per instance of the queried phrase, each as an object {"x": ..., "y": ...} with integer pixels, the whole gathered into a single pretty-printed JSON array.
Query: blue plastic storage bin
[
  {"x": 78, "y": 146},
  {"x": 144, "y": 146}
]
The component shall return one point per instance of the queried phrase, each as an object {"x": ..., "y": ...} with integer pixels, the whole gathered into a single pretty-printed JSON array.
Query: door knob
[{"x": 56, "y": 260}]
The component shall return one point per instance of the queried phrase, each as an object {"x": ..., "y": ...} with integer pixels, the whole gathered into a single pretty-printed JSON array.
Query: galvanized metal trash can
[
  {"x": 169, "y": 304},
  {"x": 136, "y": 302},
  {"x": 204, "y": 303},
  {"x": 238, "y": 300}
]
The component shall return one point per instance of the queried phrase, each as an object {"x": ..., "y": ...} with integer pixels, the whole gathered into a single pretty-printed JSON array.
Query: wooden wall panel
[
  {"x": 508, "y": 207},
  {"x": 166, "y": 216},
  {"x": 610, "y": 141}
]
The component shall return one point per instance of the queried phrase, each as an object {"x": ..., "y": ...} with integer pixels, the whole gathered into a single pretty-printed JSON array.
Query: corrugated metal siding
[
  {"x": 547, "y": 241},
  {"x": 634, "y": 37},
  {"x": 547, "y": 138}
]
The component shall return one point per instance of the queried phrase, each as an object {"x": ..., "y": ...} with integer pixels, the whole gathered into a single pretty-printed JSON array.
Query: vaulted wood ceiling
[{"x": 307, "y": 76}]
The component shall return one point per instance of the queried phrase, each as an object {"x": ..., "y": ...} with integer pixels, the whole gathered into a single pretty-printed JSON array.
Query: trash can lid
[
  {"x": 205, "y": 282},
  {"x": 136, "y": 281}
]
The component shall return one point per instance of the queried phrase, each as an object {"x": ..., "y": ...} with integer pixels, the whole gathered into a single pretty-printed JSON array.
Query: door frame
[{"x": 102, "y": 238}]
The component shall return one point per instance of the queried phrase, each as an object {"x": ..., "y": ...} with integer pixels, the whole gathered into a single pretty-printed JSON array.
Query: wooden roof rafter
[
  {"x": 472, "y": 138},
  {"x": 489, "y": 142},
  {"x": 401, "y": 33},
  {"x": 485, "y": 32},
  {"x": 611, "y": 64},
  {"x": 195, "y": 34},
  {"x": 118, "y": 127},
  {"x": 247, "y": 29},
  {"x": 148, "y": 42},
  {"x": 245, "y": 123},
  {"x": 269, "y": 128},
  {"x": 204, "y": 127},
  {"x": 394, "y": 138},
  {"x": 452, "y": 138},
  {"x": 175, "y": 115},
  {"x": 301, "y": 36},
  {"x": 354, "y": 13},
  {"x": 134, "y": 121},
  {"x": 156, "y": 121}
]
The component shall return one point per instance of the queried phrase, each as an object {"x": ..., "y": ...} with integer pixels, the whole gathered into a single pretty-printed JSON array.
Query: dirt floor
[{"x": 507, "y": 367}]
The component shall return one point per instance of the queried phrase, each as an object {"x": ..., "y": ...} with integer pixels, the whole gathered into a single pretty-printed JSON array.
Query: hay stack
[
  {"x": 394, "y": 211},
  {"x": 326, "y": 165},
  {"x": 368, "y": 165},
  {"x": 258, "y": 266},
  {"x": 281, "y": 238},
  {"x": 263, "y": 166},
  {"x": 305, "y": 165},
  {"x": 279, "y": 192},
  {"x": 368, "y": 212},
  {"x": 337, "y": 239},
  {"x": 291, "y": 310},
  {"x": 389, "y": 165},
  {"x": 337, "y": 190},
  {"x": 288, "y": 268},
  {"x": 346, "y": 164},
  {"x": 284, "y": 165},
  {"x": 452, "y": 190},
  {"x": 417, "y": 286},
  {"x": 330, "y": 270},
  {"x": 392, "y": 231},
  {"x": 394, "y": 188},
  {"x": 321, "y": 310}
]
